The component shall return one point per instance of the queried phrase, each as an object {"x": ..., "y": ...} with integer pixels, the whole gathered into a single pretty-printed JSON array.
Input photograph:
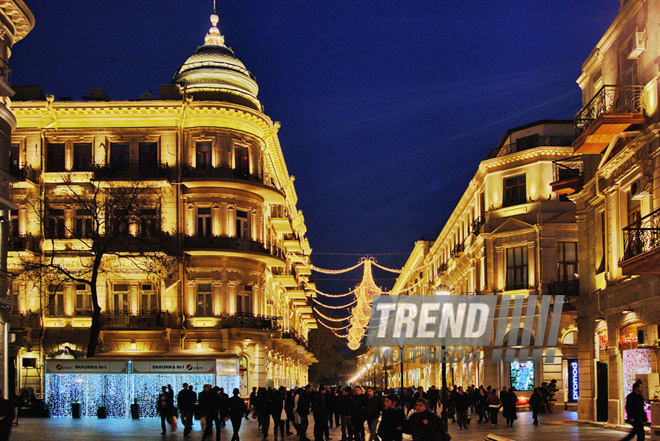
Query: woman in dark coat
[
  {"x": 535, "y": 403},
  {"x": 509, "y": 406}
]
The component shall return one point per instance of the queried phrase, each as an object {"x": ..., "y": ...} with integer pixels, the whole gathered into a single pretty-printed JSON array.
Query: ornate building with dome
[{"x": 220, "y": 293}]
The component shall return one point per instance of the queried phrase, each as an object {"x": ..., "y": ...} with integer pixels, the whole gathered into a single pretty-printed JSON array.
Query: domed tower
[{"x": 214, "y": 73}]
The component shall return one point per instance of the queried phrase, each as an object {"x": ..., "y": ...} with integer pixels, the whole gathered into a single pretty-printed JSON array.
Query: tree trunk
[{"x": 95, "y": 329}]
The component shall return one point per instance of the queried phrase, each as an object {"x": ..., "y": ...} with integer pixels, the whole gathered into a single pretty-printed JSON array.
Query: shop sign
[
  {"x": 573, "y": 381},
  {"x": 86, "y": 367},
  {"x": 174, "y": 367}
]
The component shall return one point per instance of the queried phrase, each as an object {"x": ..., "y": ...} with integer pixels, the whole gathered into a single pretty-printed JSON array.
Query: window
[
  {"x": 204, "y": 222},
  {"x": 82, "y": 157},
  {"x": 516, "y": 268},
  {"x": 117, "y": 224},
  {"x": 567, "y": 261},
  {"x": 121, "y": 298},
  {"x": 55, "y": 158},
  {"x": 148, "y": 155},
  {"x": 14, "y": 229},
  {"x": 527, "y": 142},
  {"x": 627, "y": 66},
  {"x": 119, "y": 156},
  {"x": 244, "y": 299},
  {"x": 149, "y": 223},
  {"x": 242, "y": 224},
  {"x": 241, "y": 160},
  {"x": 203, "y": 157},
  {"x": 515, "y": 191},
  {"x": 204, "y": 300},
  {"x": 148, "y": 299},
  {"x": 634, "y": 211},
  {"x": 83, "y": 301},
  {"x": 55, "y": 224},
  {"x": 600, "y": 246},
  {"x": 56, "y": 300},
  {"x": 82, "y": 224},
  {"x": 14, "y": 162}
]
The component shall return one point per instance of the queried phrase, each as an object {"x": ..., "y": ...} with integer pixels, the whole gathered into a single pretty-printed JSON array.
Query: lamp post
[
  {"x": 401, "y": 354},
  {"x": 385, "y": 367},
  {"x": 445, "y": 416}
]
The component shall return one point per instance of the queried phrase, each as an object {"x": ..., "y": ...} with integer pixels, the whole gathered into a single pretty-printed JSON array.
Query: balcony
[
  {"x": 5, "y": 79},
  {"x": 234, "y": 178},
  {"x": 457, "y": 250},
  {"x": 28, "y": 320},
  {"x": 568, "y": 175},
  {"x": 568, "y": 288},
  {"x": 611, "y": 111},
  {"x": 24, "y": 243},
  {"x": 234, "y": 247},
  {"x": 292, "y": 334},
  {"x": 248, "y": 320},
  {"x": 477, "y": 224},
  {"x": 126, "y": 320},
  {"x": 641, "y": 246},
  {"x": 537, "y": 141},
  {"x": 133, "y": 172},
  {"x": 26, "y": 175}
]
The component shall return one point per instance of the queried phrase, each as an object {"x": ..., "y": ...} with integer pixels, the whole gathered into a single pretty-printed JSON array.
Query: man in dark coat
[
  {"x": 425, "y": 425},
  {"x": 358, "y": 413},
  {"x": 461, "y": 402},
  {"x": 320, "y": 411},
  {"x": 211, "y": 409},
  {"x": 186, "y": 400},
  {"x": 372, "y": 410},
  {"x": 636, "y": 413},
  {"x": 236, "y": 411},
  {"x": 346, "y": 408},
  {"x": 304, "y": 402},
  {"x": 391, "y": 425}
]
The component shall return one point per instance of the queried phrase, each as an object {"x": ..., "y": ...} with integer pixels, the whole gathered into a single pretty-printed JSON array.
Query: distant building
[
  {"x": 16, "y": 21},
  {"x": 614, "y": 179},
  {"x": 508, "y": 235},
  {"x": 219, "y": 185}
]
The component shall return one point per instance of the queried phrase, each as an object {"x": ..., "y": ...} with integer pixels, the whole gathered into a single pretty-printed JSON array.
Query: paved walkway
[{"x": 560, "y": 426}]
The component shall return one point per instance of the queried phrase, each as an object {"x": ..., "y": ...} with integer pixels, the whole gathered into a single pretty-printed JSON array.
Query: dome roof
[{"x": 214, "y": 72}]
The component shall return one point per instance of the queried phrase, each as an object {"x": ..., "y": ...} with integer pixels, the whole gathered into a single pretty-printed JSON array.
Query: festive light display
[
  {"x": 146, "y": 387},
  {"x": 333, "y": 307},
  {"x": 91, "y": 391}
]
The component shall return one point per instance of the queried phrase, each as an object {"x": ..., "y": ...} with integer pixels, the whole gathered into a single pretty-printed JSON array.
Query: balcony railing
[
  {"x": 457, "y": 250},
  {"x": 126, "y": 320},
  {"x": 24, "y": 243},
  {"x": 295, "y": 336},
  {"x": 477, "y": 224},
  {"x": 564, "y": 287},
  {"x": 610, "y": 99},
  {"x": 28, "y": 320},
  {"x": 133, "y": 171},
  {"x": 250, "y": 321},
  {"x": 230, "y": 244},
  {"x": 568, "y": 175},
  {"x": 223, "y": 172},
  {"x": 642, "y": 236},
  {"x": 540, "y": 141},
  {"x": 25, "y": 174}
]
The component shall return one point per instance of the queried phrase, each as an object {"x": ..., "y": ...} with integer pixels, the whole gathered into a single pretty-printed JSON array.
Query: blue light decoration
[
  {"x": 522, "y": 375},
  {"x": 573, "y": 381},
  {"x": 91, "y": 391},
  {"x": 146, "y": 387}
]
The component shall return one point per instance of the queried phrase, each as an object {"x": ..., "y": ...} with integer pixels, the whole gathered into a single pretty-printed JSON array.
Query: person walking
[
  {"x": 461, "y": 402},
  {"x": 372, "y": 409},
  {"x": 358, "y": 413},
  {"x": 211, "y": 409},
  {"x": 535, "y": 404},
  {"x": 302, "y": 408},
  {"x": 494, "y": 405},
  {"x": 185, "y": 400},
  {"x": 277, "y": 410},
  {"x": 636, "y": 413},
  {"x": 263, "y": 410},
  {"x": 482, "y": 405},
  {"x": 320, "y": 412},
  {"x": 236, "y": 412},
  {"x": 164, "y": 407},
  {"x": 347, "y": 404},
  {"x": 509, "y": 407},
  {"x": 392, "y": 421},
  {"x": 289, "y": 403},
  {"x": 425, "y": 425},
  {"x": 252, "y": 403}
]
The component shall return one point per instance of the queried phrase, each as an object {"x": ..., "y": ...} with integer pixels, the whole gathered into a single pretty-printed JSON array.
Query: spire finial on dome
[{"x": 214, "y": 38}]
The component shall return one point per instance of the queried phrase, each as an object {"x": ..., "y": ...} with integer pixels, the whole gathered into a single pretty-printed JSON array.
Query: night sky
[{"x": 387, "y": 107}]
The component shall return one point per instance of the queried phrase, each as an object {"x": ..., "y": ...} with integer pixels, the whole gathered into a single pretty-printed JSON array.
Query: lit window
[
  {"x": 241, "y": 160},
  {"x": 204, "y": 300},
  {"x": 148, "y": 299},
  {"x": 121, "y": 298},
  {"x": 244, "y": 300},
  {"x": 83, "y": 301},
  {"x": 242, "y": 224},
  {"x": 56, "y": 300},
  {"x": 516, "y": 268},
  {"x": 567, "y": 261},
  {"x": 515, "y": 191}
]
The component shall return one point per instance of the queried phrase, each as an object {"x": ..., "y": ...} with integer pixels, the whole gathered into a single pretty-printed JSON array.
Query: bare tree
[{"x": 115, "y": 227}]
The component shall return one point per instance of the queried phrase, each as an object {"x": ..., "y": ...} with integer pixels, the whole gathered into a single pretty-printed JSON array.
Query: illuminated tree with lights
[{"x": 117, "y": 228}]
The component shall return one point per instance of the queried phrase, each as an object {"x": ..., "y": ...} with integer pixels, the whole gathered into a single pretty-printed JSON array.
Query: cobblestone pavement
[{"x": 559, "y": 426}]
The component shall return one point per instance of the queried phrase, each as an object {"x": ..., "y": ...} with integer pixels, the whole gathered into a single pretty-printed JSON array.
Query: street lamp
[
  {"x": 385, "y": 367},
  {"x": 445, "y": 416}
]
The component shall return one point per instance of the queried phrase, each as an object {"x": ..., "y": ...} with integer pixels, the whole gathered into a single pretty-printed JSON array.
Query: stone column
[{"x": 586, "y": 368}]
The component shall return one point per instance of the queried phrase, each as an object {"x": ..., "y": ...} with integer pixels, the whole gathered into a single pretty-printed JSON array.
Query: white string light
[
  {"x": 329, "y": 318},
  {"x": 334, "y": 307},
  {"x": 339, "y": 271}
]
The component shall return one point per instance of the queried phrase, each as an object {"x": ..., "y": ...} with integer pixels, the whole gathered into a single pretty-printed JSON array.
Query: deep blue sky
[{"x": 386, "y": 107}]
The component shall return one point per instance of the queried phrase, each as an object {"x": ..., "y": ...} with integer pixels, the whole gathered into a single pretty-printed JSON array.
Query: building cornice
[{"x": 20, "y": 15}]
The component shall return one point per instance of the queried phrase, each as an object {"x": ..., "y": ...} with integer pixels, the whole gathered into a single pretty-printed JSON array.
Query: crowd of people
[{"x": 385, "y": 414}]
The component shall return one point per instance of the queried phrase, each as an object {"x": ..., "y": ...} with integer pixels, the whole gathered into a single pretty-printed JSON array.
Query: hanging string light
[
  {"x": 339, "y": 271},
  {"x": 330, "y": 318},
  {"x": 333, "y": 307}
]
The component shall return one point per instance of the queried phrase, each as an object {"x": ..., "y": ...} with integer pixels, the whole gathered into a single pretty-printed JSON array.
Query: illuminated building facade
[
  {"x": 16, "y": 21},
  {"x": 508, "y": 235},
  {"x": 211, "y": 158},
  {"x": 614, "y": 181}
]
